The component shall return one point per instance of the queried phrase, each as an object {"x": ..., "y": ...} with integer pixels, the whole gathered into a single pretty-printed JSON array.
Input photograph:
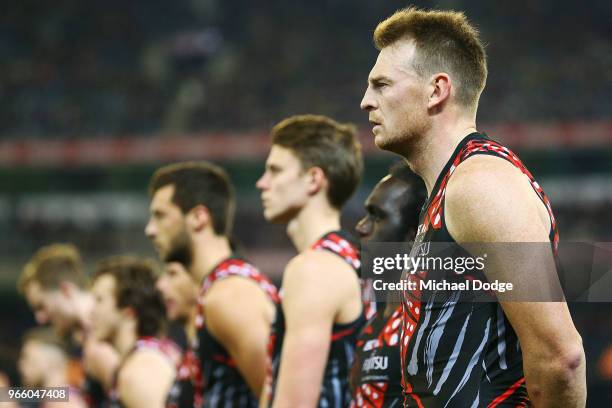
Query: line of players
[
  {"x": 311, "y": 343},
  {"x": 241, "y": 342}
]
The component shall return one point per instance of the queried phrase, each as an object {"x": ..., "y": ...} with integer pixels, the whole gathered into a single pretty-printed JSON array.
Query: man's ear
[
  {"x": 440, "y": 86},
  {"x": 316, "y": 180},
  {"x": 67, "y": 289},
  {"x": 198, "y": 218}
]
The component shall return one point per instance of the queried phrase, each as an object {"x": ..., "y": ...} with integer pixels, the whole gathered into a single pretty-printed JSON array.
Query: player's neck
[
  {"x": 125, "y": 338},
  {"x": 314, "y": 220},
  {"x": 431, "y": 154},
  {"x": 190, "y": 325},
  {"x": 209, "y": 250}
]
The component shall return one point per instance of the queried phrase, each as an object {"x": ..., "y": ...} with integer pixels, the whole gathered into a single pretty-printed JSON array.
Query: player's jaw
[{"x": 275, "y": 212}]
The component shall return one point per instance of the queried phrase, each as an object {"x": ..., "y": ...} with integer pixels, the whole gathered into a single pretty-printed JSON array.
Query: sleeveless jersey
[
  {"x": 189, "y": 367},
  {"x": 220, "y": 384},
  {"x": 376, "y": 373},
  {"x": 458, "y": 353},
  {"x": 170, "y": 351},
  {"x": 334, "y": 389}
]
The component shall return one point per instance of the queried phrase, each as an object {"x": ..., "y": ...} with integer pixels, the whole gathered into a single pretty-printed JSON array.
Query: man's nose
[
  {"x": 364, "y": 227},
  {"x": 150, "y": 229},
  {"x": 367, "y": 102}
]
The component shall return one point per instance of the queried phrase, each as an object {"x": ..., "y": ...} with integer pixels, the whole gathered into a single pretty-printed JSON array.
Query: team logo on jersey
[
  {"x": 375, "y": 363},
  {"x": 423, "y": 249}
]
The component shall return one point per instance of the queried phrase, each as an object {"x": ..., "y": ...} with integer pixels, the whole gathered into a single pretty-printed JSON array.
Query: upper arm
[
  {"x": 490, "y": 200},
  {"x": 101, "y": 361},
  {"x": 239, "y": 315},
  {"x": 145, "y": 380},
  {"x": 502, "y": 208},
  {"x": 316, "y": 286}
]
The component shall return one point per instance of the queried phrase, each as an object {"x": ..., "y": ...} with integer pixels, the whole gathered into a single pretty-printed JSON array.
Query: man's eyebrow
[{"x": 378, "y": 79}]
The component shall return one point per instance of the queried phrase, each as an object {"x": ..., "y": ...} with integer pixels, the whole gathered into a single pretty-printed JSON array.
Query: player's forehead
[
  {"x": 174, "y": 268},
  {"x": 176, "y": 274},
  {"x": 163, "y": 194},
  {"x": 389, "y": 193},
  {"x": 281, "y": 156},
  {"x": 35, "y": 293},
  {"x": 394, "y": 60}
]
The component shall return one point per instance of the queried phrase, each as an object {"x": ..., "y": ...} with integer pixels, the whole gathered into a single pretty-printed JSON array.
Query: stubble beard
[
  {"x": 406, "y": 143},
  {"x": 181, "y": 250}
]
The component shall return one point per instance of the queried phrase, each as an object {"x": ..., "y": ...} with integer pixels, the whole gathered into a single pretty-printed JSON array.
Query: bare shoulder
[
  {"x": 145, "y": 379},
  {"x": 316, "y": 266},
  {"x": 141, "y": 364},
  {"x": 233, "y": 287},
  {"x": 235, "y": 304},
  {"x": 490, "y": 200}
]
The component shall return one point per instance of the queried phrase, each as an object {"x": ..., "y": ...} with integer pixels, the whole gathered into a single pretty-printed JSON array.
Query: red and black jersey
[
  {"x": 170, "y": 351},
  {"x": 335, "y": 388},
  {"x": 457, "y": 352},
  {"x": 376, "y": 373},
  {"x": 220, "y": 384},
  {"x": 189, "y": 368}
]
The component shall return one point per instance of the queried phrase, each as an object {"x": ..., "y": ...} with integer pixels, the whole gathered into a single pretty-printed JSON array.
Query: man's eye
[{"x": 377, "y": 215}]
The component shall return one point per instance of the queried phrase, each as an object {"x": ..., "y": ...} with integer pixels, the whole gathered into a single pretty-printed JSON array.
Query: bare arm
[
  {"x": 239, "y": 315},
  {"x": 502, "y": 207},
  {"x": 101, "y": 360},
  {"x": 317, "y": 288},
  {"x": 145, "y": 380}
]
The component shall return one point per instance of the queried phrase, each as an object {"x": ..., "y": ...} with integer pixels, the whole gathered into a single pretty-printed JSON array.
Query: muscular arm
[
  {"x": 317, "y": 288},
  {"x": 239, "y": 315},
  {"x": 145, "y": 380},
  {"x": 502, "y": 207}
]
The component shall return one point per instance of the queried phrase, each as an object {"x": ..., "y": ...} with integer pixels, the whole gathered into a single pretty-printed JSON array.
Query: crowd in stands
[{"x": 74, "y": 69}]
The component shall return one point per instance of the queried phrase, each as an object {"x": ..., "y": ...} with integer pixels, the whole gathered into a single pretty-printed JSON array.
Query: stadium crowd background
[{"x": 222, "y": 72}]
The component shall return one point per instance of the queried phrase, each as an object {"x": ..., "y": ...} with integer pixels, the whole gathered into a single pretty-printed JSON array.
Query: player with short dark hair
[
  {"x": 422, "y": 99},
  {"x": 313, "y": 167},
  {"x": 180, "y": 294},
  {"x": 129, "y": 314},
  {"x": 192, "y": 208}
]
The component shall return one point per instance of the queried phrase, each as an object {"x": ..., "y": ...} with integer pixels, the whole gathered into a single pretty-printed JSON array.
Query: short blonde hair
[
  {"x": 51, "y": 265},
  {"x": 445, "y": 42}
]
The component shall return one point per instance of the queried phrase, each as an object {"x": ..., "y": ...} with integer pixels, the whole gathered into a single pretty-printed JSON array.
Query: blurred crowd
[{"x": 112, "y": 68}]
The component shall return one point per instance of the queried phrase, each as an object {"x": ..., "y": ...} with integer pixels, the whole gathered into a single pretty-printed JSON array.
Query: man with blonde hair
[
  {"x": 422, "y": 98},
  {"x": 55, "y": 286}
]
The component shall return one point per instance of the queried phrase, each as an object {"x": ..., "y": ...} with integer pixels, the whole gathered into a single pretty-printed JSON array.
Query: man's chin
[
  {"x": 274, "y": 218},
  {"x": 385, "y": 143}
]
